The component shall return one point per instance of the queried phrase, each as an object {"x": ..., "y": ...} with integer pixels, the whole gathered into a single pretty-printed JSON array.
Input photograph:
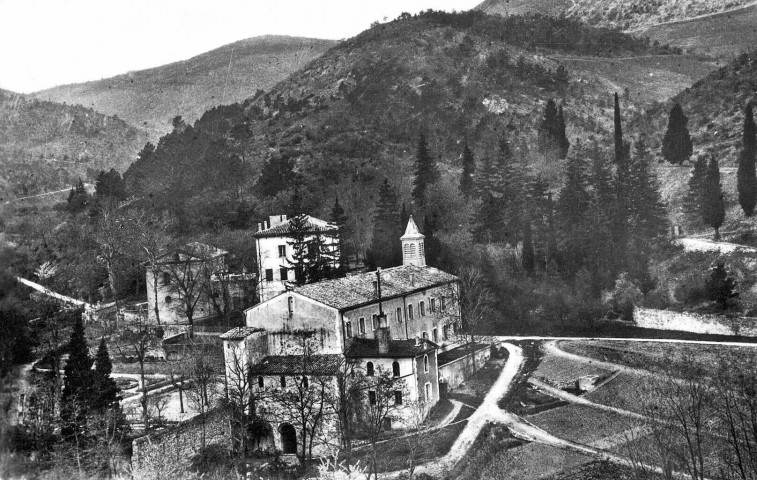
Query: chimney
[
  {"x": 382, "y": 334},
  {"x": 417, "y": 341},
  {"x": 412, "y": 279}
]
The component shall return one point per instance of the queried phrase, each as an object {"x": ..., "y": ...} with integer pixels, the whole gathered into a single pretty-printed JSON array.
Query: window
[
  {"x": 372, "y": 397},
  {"x": 412, "y": 249},
  {"x": 396, "y": 369},
  {"x": 290, "y": 305},
  {"x": 428, "y": 391},
  {"x": 260, "y": 382},
  {"x": 305, "y": 383},
  {"x": 407, "y": 249},
  {"x": 168, "y": 299},
  {"x": 399, "y": 315},
  {"x": 422, "y": 308},
  {"x": 348, "y": 328},
  {"x": 445, "y": 332},
  {"x": 425, "y": 335},
  {"x": 398, "y": 397},
  {"x": 268, "y": 274},
  {"x": 283, "y": 381},
  {"x": 284, "y": 272},
  {"x": 166, "y": 278},
  {"x": 432, "y": 305},
  {"x": 425, "y": 364},
  {"x": 369, "y": 369},
  {"x": 435, "y": 335},
  {"x": 361, "y": 325},
  {"x": 443, "y": 304},
  {"x": 409, "y": 312},
  {"x": 374, "y": 322},
  {"x": 282, "y": 251}
]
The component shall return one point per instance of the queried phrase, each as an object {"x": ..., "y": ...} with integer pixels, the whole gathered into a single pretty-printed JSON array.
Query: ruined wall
[
  {"x": 171, "y": 451},
  {"x": 695, "y": 322}
]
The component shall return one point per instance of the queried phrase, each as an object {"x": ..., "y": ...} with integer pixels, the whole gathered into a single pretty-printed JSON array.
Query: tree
[
  {"x": 695, "y": 195},
  {"x": 385, "y": 246},
  {"x": 720, "y": 285},
  {"x": 202, "y": 370},
  {"x": 187, "y": 272},
  {"x": 573, "y": 207},
  {"x": 150, "y": 236},
  {"x": 648, "y": 215},
  {"x": 298, "y": 231},
  {"x": 528, "y": 258},
  {"x": 475, "y": 301},
  {"x": 746, "y": 176},
  {"x": 105, "y": 388},
  {"x": 469, "y": 169},
  {"x": 552, "y": 139},
  {"x": 713, "y": 203},
  {"x": 78, "y": 384},
  {"x": 676, "y": 144},
  {"x": 426, "y": 172},
  {"x": 78, "y": 198},
  {"x": 341, "y": 255},
  {"x": 140, "y": 338},
  {"x": 112, "y": 245},
  {"x": 562, "y": 138},
  {"x": 110, "y": 184}
]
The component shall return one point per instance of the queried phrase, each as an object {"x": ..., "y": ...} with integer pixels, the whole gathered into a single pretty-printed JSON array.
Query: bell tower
[{"x": 413, "y": 252}]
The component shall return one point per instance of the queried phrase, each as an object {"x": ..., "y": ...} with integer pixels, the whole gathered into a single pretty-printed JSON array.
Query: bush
[
  {"x": 623, "y": 297},
  {"x": 212, "y": 459}
]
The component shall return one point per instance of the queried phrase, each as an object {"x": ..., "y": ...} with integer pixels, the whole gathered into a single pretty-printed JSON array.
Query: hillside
[
  {"x": 151, "y": 98},
  {"x": 46, "y": 146},
  {"x": 720, "y": 28},
  {"x": 714, "y": 106},
  {"x": 353, "y": 116}
]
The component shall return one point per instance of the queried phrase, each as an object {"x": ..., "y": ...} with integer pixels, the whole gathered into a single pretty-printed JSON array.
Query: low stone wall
[
  {"x": 455, "y": 372},
  {"x": 695, "y": 322},
  {"x": 168, "y": 453}
]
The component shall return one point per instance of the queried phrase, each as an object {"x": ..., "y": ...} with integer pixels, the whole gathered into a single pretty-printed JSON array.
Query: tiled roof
[
  {"x": 297, "y": 365},
  {"x": 239, "y": 333},
  {"x": 355, "y": 290},
  {"x": 368, "y": 348},
  {"x": 313, "y": 225}
]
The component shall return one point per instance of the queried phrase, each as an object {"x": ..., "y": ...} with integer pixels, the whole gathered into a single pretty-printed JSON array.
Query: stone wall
[
  {"x": 168, "y": 453},
  {"x": 456, "y": 371},
  {"x": 695, "y": 322}
]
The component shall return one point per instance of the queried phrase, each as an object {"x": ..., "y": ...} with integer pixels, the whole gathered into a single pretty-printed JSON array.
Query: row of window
[
  {"x": 370, "y": 370},
  {"x": 410, "y": 315},
  {"x": 373, "y": 399}
]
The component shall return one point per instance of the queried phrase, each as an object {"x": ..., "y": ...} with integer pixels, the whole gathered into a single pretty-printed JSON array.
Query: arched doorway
[{"x": 288, "y": 438}]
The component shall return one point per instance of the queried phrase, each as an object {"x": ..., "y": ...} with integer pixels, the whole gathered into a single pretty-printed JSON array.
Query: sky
[{"x": 44, "y": 43}]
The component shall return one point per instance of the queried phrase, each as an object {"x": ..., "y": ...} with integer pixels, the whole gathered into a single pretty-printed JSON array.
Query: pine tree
[
  {"x": 618, "y": 131},
  {"x": 339, "y": 218},
  {"x": 551, "y": 251},
  {"x": 78, "y": 198},
  {"x": 298, "y": 230},
  {"x": 676, "y": 145},
  {"x": 426, "y": 172},
  {"x": 105, "y": 388},
  {"x": 721, "y": 285},
  {"x": 469, "y": 169},
  {"x": 602, "y": 258},
  {"x": 713, "y": 203},
  {"x": 746, "y": 176},
  {"x": 548, "y": 130},
  {"x": 573, "y": 207},
  {"x": 78, "y": 382},
  {"x": 622, "y": 188},
  {"x": 509, "y": 189},
  {"x": 385, "y": 248}
]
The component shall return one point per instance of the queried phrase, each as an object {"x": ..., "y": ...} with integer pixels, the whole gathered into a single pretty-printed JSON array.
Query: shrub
[{"x": 623, "y": 297}]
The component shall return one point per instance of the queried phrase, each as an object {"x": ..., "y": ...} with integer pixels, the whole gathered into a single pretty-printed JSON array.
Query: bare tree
[
  {"x": 139, "y": 338},
  {"x": 474, "y": 300},
  {"x": 416, "y": 444},
  {"x": 203, "y": 370},
  {"x": 348, "y": 383},
  {"x": 111, "y": 240},
  {"x": 187, "y": 273}
]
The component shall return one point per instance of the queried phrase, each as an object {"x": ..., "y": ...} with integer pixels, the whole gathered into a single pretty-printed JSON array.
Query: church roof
[
  {"x": 297, "y": 365},
  {"x": 368, "y": 348},
  {"x": 357, "y": 290},
  {"x": 312, "y": 225},
  {"x": 412, "y": 232}
]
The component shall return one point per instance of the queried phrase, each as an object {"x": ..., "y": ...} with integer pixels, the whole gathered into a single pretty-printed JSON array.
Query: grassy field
[
  {"x": 621, "y": 392},
  {"x": 580, "y": 424},
  {"x": 473, "y": 391},
  {"x": 564, "y": 373}
]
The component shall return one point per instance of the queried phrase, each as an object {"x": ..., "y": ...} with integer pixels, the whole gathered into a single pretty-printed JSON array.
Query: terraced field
[
  {"x": 563, "y": 373},
  {"x": 582, "y": 424}
]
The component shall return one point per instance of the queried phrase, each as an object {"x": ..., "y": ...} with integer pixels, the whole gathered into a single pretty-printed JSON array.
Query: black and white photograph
[{"x": 395, "y": 240}]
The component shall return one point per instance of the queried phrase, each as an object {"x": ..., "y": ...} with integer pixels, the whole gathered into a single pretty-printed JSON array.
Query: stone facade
[
  {"x": 695, "y": 322},
  {"x": 170, "y": 452}
]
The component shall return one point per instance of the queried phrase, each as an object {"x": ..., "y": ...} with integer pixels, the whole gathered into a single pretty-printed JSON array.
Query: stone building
[
  {"x": 273, "y": 242},
  {"x": 204, "y": 274},
  {"x": 393, "y": 323}
]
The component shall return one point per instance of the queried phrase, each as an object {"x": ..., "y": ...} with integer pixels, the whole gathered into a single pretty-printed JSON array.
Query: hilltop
[
  {"x": 150, "y": 99},
  {"x": 46, "y": 145},
  {"x": 351, "y": 117},
  {"x": 721, "y": 28}
]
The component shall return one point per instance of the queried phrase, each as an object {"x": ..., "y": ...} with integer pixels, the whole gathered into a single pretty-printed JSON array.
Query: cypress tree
[
  {"x": 562, "y": 139},
  {"x": 426, "y": 172},
  {"x": 618, "y": 132},
  {"x": 548, "y": 130},
  {"x": 339, "y": 218},
  {"x": 527, "y": 258},
  {"x": 298, "y": 230},
  {"x": 551, "y": 253},
  {"x": 573, "y": 207},
  {"x": 469, "y": 169},
  {"x": 713, "y": 203},
  {"x": 746, "y": 177},
  {"x": 622, "y": 191},
  {"x": 78, "y": 382},
  {"x": 385, "y": 250},
  {"x": 508, "y": 187},
  {"x": 649, "y": 219},
  {"x": 694, "y": 197},
  {"x": 676, "y": 144},
  {"x": 603, "y": 258},
  {"x": 106, "y": 390}
]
